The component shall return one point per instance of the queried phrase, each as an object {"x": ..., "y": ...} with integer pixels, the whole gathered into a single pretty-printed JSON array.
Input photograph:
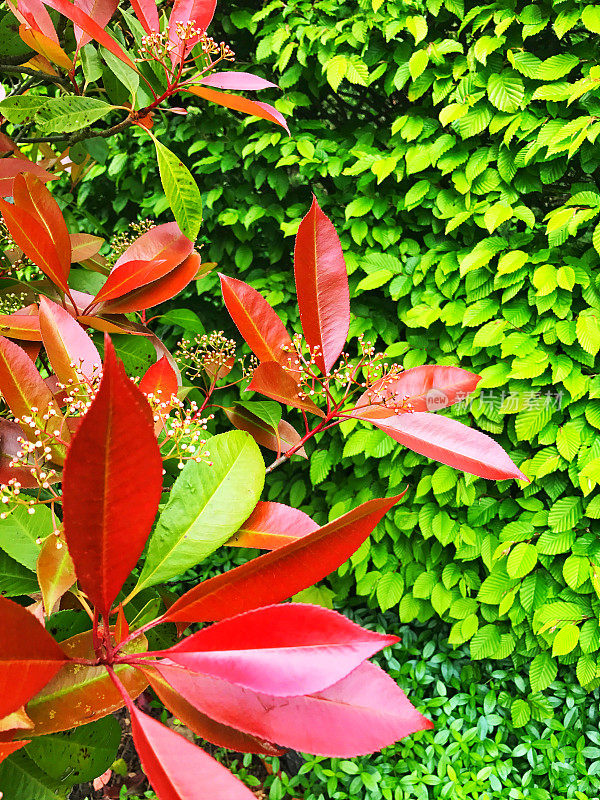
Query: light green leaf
[
  {"x": 15, "y": 579},
  {"x": 588, "y": 331},
  {"x": 542, "y": 672},
  {"x": 587, "y": 667},
  {"x": 565, "y": 514},
  {"x": 591, "y": 18},
  {"x": 208, "y": 503},
  {"x": 520, "y": 712},
  {"x": 21, "y": 110},
  {"x": 390, "y": 588},
  {"x": 127, "y": 76},
  {"x": 418, "y": 62},
  {"x": 20, "y": 530},
  {"x": 485, "y": 642},
  {"x": 336, "y": 71},
  {"x": 181, "y": 191},
  {"x": 267, "y": 410},
  {"x": 71, "y": 113},
  {"x": 505, "y": 90},
  {"x": 521, "y": 560},
  {"x": 565, "y": 640}
]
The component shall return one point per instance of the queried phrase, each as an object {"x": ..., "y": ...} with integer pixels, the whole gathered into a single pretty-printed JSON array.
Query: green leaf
[
  {"x": 79, "y": 755},
  {"x": 21, "y": 778},
  {"x": 208, "y": 503},
  {"x": 587, "y": 667},
  {"x": 418, "y": 62},
  {"x": 505, "y": 90},
  {"x": 181, "y": 191},
  {"x": 576, "y": 570},
  {"x": 336, "y": 71},
  {"x": 565, "y": 514},
  {"x": 15, "y": 579},
  {"x": 542, "y": 671},
  {"x": 588, "y": 331},
  {"x": 485, "y": 642},
  {"x": 183, "y": 318},
  {"x": 71, "y": 113},
  {"x": 20, "y": 530},
  {"x": 389, "y": 591},
  {"x": 21, "y": 110},
  {"x": 127, "y": 76},
  {"x": 591, "y": 18},
  {"x": 521, "y": 560},
  {"x": 266, "y": 410},
  {"x": 565, "y": 640},
  {"x": 520, "y": 712}
]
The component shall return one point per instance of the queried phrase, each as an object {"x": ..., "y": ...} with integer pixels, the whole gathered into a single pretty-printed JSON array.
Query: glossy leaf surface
[
  {"x": 160, "y": 380},
  {"x": 132, "y": 275},
  {"x": 20, "y": 326},
  {"x": 164, "y": 242},
  {"x": 10, "y": 167},
  {"x": 147, "y": 13},
  {"x": 55, "y": 570},
  {"x": 362, "y": 713},
  {"x": 275, "y": 382},
  {"x": 198, "y": 12},
  {"x": 322, "y": 287},
  {"x": 68, "y": 346},
  {"x": 278, "y": 575},
  {"x": 256, "y": 320},
  {"x": 238, "y": 81},
  {"x": 272, "y": 525},
  {"x": 101, "y": 11},
  {"x": 280, "y": 440},
  {"x": 233, "y": 101},
  {"x": 282, "y": 650},
  {"x": 448, "y": 441},
  {"x": 208, "y": 502},
  {"x": 29, "y": 656},
  {"x": 112, "y": 484}
]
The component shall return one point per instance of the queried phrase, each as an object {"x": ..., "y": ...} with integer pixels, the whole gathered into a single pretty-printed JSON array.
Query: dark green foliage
[{"x": 455, "y": 149}]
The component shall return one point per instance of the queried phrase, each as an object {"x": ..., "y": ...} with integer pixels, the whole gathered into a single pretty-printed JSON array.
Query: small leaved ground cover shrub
[
  {"x": 454, "y": 146},
  {"x": 483, "y": 746}
]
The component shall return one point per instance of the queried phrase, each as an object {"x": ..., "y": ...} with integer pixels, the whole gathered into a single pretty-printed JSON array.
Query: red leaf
[
  {"x": 101, "y": 11},
  {"x": 360, "y": 714},
  {"x": 176, "y": 768},
  {"x": 121, "y": 626},
  {"x": 7, "y": 748},
  {"x": 112, "y": 483},
  {"x": 32, "y": 237},
  {"x": 198, "y": 12},
  {"x": 10, "y": 444},
  {"x": 21, "y": 326},
  {"x": 322, "y": 287},
  {"x": 273, "y": 381},
  {"x": 207, "y": 728},
  {"x": 156, "y": 292},
  {"x": 54, "y": 570},
  {"x": 84, "y": 246},
  {"x": 130, "y": 276},
  {"x": 256, "y": 320},
  {"x": 160, "y": 380},
  {"x": 278, "y": 575},
  {"x": 29, "y": 656},
  {"x": 147, "y": 14},
  {"x": 68, "y": 346},
  {"x": 34, "y": 13},
  {"x": 161, "y": 242},
  {"x": 237, "y": 81},
  {"x": 24, "y": 390},
  {"x": 86, "y": 23},
  {"x": 426, "y": 388},
  {"x": 273, "y": 525},
  {"x": 281, "y": 440},
  {"x": 282, "y": 650},
  {"x": 448, "y": 441},
  {"x": 256, "y": 109},
  {"x": 11, "y": 167}
]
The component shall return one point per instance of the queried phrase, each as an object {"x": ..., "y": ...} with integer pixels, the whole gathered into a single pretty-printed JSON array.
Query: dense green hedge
[{"x": 454, "y": 148}]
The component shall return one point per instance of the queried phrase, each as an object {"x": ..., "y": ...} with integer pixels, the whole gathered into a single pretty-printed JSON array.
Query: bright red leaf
[
  {"x": 426, "y": 388},
  {"x": 257, "y": 321},
  {"x": 198, "y": 12},
  {"x": 112, "y": 483},
  {"x": 278, "y": 575},
  {"x": 7, "y": 748},
  {"x": 360, "y": 714},
  {"x": 29, "y": 657},
  {"x": 176, "y": 768},
  {"x": 282, "y": 650},
  {"x": 448, "y": 441},
  {"x": 322, "y": 287},
  {"x": 130, "y": 276},
  {"x": 165, "y": 242},
  {"x": 272, "y": 525},
  {"x": 272, "y": 380},
  {"x": 237, "y": 103},
  {"x": 147, "y": 14},
  {"x": 101, "y": 11},
  {"x": 68, "y": 346},
  {"x": 160, "y": 380}
]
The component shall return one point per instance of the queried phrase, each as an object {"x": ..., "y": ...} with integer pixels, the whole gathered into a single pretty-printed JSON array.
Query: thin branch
[
  {"x": 79, "y": 136},
  {"x": 11, "y": 69}
]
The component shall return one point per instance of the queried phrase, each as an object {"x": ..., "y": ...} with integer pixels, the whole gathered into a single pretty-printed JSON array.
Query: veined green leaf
[
  {"x": 181, "y": 191},
  {"x": 71, "y": 113}
]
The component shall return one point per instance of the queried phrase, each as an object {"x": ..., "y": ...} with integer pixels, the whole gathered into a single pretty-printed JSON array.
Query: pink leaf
[
  {"x": 147, "y": 14},
  {"x": 426, "y": 388},
  {"x": 101, "y": 11},
  {"x": 236, "y": 81},
  {"x": 68, "y": 346},
  {"x": 11, "y": 167},
  {"x": 34, "y": 13},
  {"x": 272, "y": 525},
  {"x": 161, "y": 242},
  {"x": 282, "y": 650},
  {"x": 448, "y": 441},
  {"x": 360, "y": 714},
  {"x": 197, "y": 12},
  {"x": 322, "y": 287}
]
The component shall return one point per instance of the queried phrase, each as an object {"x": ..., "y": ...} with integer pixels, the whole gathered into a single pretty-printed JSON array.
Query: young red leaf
[
  {"x": 176, "y": 768},
  {"x": 32, "y": 237},
  {"x": 160, "y": 380},
  {"x": 237, "y": 81},
  {"x": 278, "y": 575},
  {"x": 13, "y": 723},
  {"x": 322, "y": 287},
  {"x": 112, "y": 483},
  {"x": 264, "y": 434},
  {"x": 147, "y": 14},
  {"x": 46, "y": 47},
  {"x": 256, "y": 320},
  {"x": 448, "y": 441},
  {"x": 11, "y": 167},
  {"x": 86, "y": 23},
  {"x": 8, "y": 748},
  {"x": 34, "y": 13},
  {"x": 55, "y": 570},
  {"x": 156, "y": 292},
  {"x": 68, "y": 346},
  {"x": 21, "y": 326},
  {"x": 26, "y": 394},
  {"x": 272, "y": 525},
  {"x": 359, "y": 714},
  {"x": 11, "y": 437},
  {"x": 205, "y": 727},
  {"x": 282, "y": 650},
  {"x": 121, "y": 626},
  {"x": 101, "y": 11},
  {"x": 426, "y": 388},
  {"x": 29, "y": 656},
  {"x": 272, "y": 380},
  {"x": 84, "y": 246},
  {"x": 163, "y": 242},
  {"x": 130, "y": 276},
  {"x": 237, "y": 103},
  {"x": 199, "y": 13}
]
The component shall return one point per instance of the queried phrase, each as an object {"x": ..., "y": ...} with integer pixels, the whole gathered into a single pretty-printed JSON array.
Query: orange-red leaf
[
  {"x": 160, "y": 380},
  {"x": 278, "y": 575},
  {"x": 161, "y": 242},
  {"x": 84, "y": 246},
  {"x": 55, "y": 570},
  {"x": 280, "y": 440},
  {"x": 45, "y": 47},
  {"x": 68, "y": 346},
  {"x": 273, "y": 381},
  {"x": 29, "y": 656},
  {"x": 112, "y": 483},
  {"x": 7, "y": 748},
  {"x": 237, "y": 103},
  {"x": 272, "y": 525},
  {"x": 20, "y": 326},
  {"x": 11, "y": 167},
  {"x": 132, "y": 275},
  {"x": 101, "y": 11}
]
